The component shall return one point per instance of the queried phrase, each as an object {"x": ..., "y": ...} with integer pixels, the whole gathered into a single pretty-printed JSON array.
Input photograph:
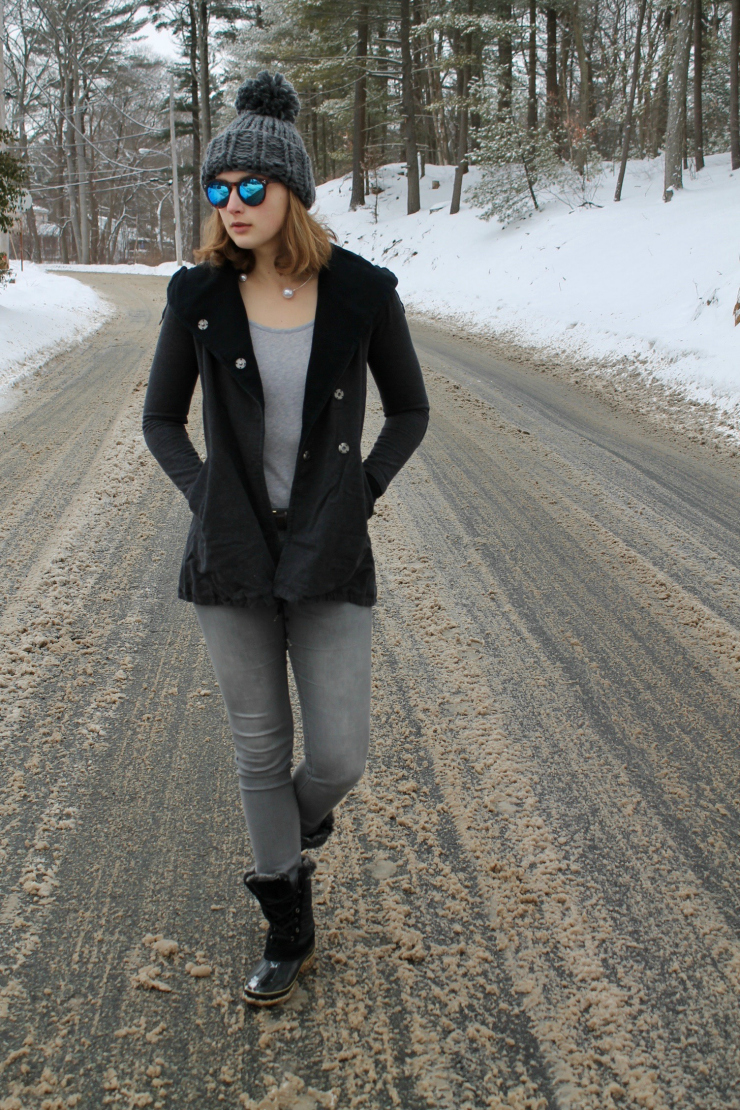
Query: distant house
[{"x": 50, "y": 235}]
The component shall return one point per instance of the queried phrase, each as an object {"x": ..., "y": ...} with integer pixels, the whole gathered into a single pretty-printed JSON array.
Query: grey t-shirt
[{"x": 282, "y": 357}]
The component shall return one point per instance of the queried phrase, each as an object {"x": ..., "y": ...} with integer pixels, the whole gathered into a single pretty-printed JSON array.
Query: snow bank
[
  {"x": 165, "y": 269},
  {"x": 41, "y": 314},
  {"x": 640, "y": 281}
]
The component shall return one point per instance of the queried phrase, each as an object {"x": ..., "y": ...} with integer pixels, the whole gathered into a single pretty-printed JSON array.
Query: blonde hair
[{"x": 305, "y": 246}]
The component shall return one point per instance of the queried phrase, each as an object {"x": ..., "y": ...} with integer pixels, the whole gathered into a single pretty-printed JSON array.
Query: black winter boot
[
  {"x": 290, "y": 944},
  {"x": 320, "y": 835}
]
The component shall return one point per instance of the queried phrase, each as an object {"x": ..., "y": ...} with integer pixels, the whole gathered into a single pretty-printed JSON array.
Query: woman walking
[{"x": 280, "y": 324}]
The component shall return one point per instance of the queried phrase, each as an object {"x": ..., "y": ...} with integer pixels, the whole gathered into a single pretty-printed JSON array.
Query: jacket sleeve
[
  {"x": 172, "y": 379},
  {"x": 395, "y": 368}
]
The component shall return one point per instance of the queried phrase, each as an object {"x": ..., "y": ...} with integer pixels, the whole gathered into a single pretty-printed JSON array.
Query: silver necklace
[
  {"x": 292, "y": 292},
  {"x": 287, "y": 293}
]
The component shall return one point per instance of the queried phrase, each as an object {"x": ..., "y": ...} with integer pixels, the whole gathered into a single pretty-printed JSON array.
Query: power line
[
  {"x": 100, "y": 180},
  {"x": 70, "y": 123}
]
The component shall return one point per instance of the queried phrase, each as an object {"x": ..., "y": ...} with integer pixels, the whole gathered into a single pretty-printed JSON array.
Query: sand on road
[{"x": 531, "y": 900}]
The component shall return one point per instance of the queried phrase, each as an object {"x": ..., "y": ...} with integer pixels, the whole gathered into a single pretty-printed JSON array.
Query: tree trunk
[
  {"x": 673, "y": 176},
  {"x": 532, "y": 90},
  {"x": 698, "y": 77},
  {"x": 381, "y": 130},
  {"x": 412, "y": 158},
  {"x": 660, "y": 100},
  {"x": 462, "y": 164},
  {"x": 584, "y": 81},
  {"x": 630, "y": 103},
  {"x": 435, "y": 139},
  {"x": 444, "y": 129},
  {"x": 313, "y": 99},
  {"x": 505, "y": 59},
  {"x": 566, "y": 41},
  {"x": 81, "y": 174},
  {"x": 94, "y": 212},
  {"x": 644, "y": 94},
  {"x": 358, "y": 133},
  {"x": 195, "y": 123},
  {"x": 204, "y": 75},
  {"x": 71, "y": 173},
  {"x": 551, "y": 71},
  {"x": 30, "y": 214},
  {"x": 58, "y": 207},
  {"x": 427, "y": 142},
  {"x": 734, "y": 65},
  {"x": 477, "y": 72}
]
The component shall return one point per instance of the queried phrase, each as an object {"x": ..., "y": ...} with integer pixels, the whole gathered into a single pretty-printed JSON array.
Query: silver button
[
  {"x": 344, "y": 448},
  {"x": 307, "y": 454},
  {"x": 202, "y": 324},
  {"x": 241, "y": 363},
  {"x": 339, "y": 394}
]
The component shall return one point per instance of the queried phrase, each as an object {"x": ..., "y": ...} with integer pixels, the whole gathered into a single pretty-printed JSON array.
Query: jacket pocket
[
  {"x": 197, "y": 490},
  {"x": 369, "y": 495}
]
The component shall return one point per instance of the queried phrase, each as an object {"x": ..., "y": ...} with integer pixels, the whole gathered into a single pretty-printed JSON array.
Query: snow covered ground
[
  {"x": 40, "y": 314},
  {"x": 641, "y": 282},
  {"x": 165, "y": 269}
]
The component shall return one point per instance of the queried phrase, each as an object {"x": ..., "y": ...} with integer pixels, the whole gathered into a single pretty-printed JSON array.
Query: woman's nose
[{"x": 236, "y": 204}]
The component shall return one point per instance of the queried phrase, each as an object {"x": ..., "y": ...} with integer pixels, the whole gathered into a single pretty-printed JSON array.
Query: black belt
[{"x": 280, "y": 516}]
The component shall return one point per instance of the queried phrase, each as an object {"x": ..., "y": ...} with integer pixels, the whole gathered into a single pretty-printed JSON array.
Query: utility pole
[
  {"x": 3, "y": 234},
  {"x": 175, "y": 188}
]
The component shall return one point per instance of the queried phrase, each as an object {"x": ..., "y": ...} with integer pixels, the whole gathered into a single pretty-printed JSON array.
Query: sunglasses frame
[{"x": 264, "y": 181}]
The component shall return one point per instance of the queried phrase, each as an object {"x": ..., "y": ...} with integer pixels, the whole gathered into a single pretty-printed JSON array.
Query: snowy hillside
[
  {"x": 42, "y": 313},
  {"x": 642, "y": 280}
]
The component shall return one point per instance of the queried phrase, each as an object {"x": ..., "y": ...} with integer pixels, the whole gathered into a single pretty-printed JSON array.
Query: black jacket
[{"x": 232, "y": 556}]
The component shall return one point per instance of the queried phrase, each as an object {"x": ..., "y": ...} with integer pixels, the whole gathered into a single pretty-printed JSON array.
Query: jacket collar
[{"x": 351, "y": 290}]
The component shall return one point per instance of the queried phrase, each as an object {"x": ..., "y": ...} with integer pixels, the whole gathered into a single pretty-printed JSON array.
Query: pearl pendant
[{"x": 288, "y": 292}]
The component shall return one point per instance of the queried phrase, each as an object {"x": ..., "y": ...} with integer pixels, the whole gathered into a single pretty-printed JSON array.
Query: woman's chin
[{"x": 243, "y": 239}]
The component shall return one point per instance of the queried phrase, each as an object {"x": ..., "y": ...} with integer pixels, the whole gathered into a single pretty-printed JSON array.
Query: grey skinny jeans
[{"x": 329, "y": 644}]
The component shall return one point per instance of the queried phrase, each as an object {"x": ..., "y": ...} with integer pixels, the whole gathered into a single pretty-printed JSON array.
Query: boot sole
[{"x": 275, "y": 1000}]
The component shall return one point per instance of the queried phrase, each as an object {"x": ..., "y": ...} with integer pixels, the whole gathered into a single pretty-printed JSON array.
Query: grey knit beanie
[{"x": 264, "y": 138}]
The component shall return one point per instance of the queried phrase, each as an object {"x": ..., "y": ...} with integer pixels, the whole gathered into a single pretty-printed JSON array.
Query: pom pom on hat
[{"x": 269, "y": 94}]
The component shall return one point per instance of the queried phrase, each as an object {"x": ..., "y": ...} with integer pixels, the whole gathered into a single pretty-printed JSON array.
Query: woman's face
[{"x": 253, "y": 227}]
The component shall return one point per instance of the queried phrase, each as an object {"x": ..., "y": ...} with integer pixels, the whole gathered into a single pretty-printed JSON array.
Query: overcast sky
[{"x": 159, "y": 42}]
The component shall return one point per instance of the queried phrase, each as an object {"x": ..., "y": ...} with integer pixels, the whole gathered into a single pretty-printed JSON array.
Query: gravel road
[{"x": 532, "y": 900}]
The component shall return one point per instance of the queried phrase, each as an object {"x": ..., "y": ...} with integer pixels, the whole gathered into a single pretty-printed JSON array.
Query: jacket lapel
[
  {"x": 351, "y": 290},
  {"x": 206, "y": 299}
]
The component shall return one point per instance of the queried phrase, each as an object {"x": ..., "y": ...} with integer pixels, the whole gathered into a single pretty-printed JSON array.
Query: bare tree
[
  {"x": 673, "y": 174},
  {"x": 630, "y": 103},
  {"x": 360, "y": 93},
  {"x": 698, "y": 78},
  {"x": 734, "y": 65},
  {"x": 413, "y": 203}
]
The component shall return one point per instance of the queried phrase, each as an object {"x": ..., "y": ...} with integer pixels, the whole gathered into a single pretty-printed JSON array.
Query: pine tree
[
  {"x": 12, "y": 180},
  {"x": 516, "y": 162}
]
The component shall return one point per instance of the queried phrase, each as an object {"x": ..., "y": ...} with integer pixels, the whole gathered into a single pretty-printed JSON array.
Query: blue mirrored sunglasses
[{"x": 252, "y": 190}]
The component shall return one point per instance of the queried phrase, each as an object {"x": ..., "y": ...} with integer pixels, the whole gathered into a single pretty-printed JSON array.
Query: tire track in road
[
  {"x": 530, "y": 899},
  {"x": 529, "y": 594},
  {"x": 50, "y": 443},
  {"x": 630, "y": 466},
  {"x": 657, "y": 668}
]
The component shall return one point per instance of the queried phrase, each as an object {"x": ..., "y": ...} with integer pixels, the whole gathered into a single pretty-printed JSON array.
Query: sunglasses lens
[
  {"x": 218, "y": 193},
  {"x": 252, "y": 191}
]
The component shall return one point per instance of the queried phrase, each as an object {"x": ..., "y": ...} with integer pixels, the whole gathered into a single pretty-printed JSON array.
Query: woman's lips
[{"x": 240, "y": 227}]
